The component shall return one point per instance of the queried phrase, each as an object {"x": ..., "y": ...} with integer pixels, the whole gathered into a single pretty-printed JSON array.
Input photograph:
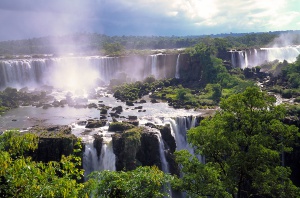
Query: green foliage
[
  {"x": 291, "y": 73},
  {"x": 242, "y": 144},
  {"x": 141, "y": 182},
  {"x": 18, "y": 144},
  {"x": 198, "y": 180},
  {"x": 119, "y": 126},
  {"x": 115, "y": 49},
  {"x": 22, "y": 177}
]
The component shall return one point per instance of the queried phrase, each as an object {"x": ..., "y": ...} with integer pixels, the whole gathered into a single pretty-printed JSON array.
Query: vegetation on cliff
[{"x": 195, "y": 89}]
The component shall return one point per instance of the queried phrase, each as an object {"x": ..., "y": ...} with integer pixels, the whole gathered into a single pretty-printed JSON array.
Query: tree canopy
[{"x": 243, "y": 144}]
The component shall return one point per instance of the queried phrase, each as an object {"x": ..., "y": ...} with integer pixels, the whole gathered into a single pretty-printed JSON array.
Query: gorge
[{"x": 163, "y": 128}]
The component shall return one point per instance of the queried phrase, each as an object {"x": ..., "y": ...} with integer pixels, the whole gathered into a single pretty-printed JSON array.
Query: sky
[{"x": 23, "y": 19}]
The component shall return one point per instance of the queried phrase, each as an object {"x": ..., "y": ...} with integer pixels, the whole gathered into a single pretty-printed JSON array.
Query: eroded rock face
[
  {"x": 54, "y": 141},
  {"x": 130, "y": 154},
  {"x": 95, "y": 123},
  {"x": 98, "y": 141},
  {"x": 148, "y": 153}
]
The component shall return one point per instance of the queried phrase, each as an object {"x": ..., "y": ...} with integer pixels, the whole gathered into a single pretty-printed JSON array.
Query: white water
[
  {"x": 164, "y": 163},
  {"x": 154, "y": 65},
  {"x": 263, "y": 55},
  {"x": 107, "y": 158},
  {"x": 90, "y": 159},
  {"x": 179, "y": 128},
  {"x": 93, "y": 162},
  {"x": 177, "y": 68}
]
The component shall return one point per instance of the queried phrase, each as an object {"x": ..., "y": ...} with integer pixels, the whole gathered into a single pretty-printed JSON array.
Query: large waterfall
[
  {"x": 84, "y": 72},
  {"x": 255, "y": 57}
]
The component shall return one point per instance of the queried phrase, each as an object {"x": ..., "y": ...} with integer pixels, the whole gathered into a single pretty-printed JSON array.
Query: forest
[{"x": 250, "y": 144}]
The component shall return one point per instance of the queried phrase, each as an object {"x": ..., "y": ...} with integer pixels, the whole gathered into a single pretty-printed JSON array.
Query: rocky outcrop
[
  {"x": 140, "y": 147},
  {"x": 54, "y": 141}
]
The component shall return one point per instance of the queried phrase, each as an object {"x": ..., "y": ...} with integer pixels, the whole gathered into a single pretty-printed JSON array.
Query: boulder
[{"x": 95, "y": 123}]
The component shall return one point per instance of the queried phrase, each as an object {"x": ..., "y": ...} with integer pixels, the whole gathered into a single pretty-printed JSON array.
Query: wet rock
[
  {"x": 154, "y": 100},
  {"x": 46, "y": 106},
  {"x": 132, "y": 117},
  {"x": 92, "y": 105},
  {"x": 142, "y": 101},
  {"x": 98, "y": 144},
  {"x": 129, "y": 103},
  {"x": 133, "y": 122},
  {"x": 103, "y": 117},
  {"x": 138, "y": 107},
  {"x": 103, "y": 111},
  {"x": 95, "y": 123},
  {"x": 81, "y": 123},
  {"x": 119, "y": 126},
  {"x": 118, "y": 109},
  {"x": 56, "y": 103},
  {"x": 112, "y": 114}
]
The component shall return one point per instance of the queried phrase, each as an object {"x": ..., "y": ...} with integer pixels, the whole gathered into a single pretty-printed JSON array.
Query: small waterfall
[
  {"x": 164, "y": 163},
  {"x": 90, "y": 159},
  {"x": 154, "y": 65},
  {"x": 246, "y": 60},
  {"x": 107, "y": 157},
  {"x": 241, "y": 59},
  {"x": 105, "y": 161},
  {"x": 179, "y": 129},
  {"x": 177, "y": 67}
]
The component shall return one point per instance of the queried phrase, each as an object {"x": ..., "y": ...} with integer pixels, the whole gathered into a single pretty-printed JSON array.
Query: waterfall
[
  {"x": 164, "y": 163},
  {"x": 241, "y": 59},
  {"x": 90, "y": 159},
  {"x": 282, "y": 53},
  {"x": 21, "y": 72},
  {"x": 177, "y": 67},
  {"x": 106, "y": 160},
  {"x": 107, "y": 157},
  {"x": 262, "y": 55},
  {"x": 179, "y": 129},
  {"x": 58, "y": 72},
  {"x": 233, "y": 63},
  {"x": 154, "y": 65},
  {"x": 246, "y": 60}
]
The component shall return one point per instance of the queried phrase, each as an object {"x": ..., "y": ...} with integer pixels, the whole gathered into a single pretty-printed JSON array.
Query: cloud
[{"x": 146, "y": 17}]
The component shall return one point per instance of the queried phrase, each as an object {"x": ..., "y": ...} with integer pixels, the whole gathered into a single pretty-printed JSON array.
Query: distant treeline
[{"x": 94, "y": 43}]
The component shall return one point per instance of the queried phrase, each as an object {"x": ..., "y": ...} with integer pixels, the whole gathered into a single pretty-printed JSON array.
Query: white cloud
[{"x": 153, "y": 16}]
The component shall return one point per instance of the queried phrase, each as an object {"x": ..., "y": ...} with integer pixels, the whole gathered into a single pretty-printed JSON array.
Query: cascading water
[
  {"x": 164, "y": 163},
  {"x": 179, "y": 128},
  {"x": 241, "y": 59},
  {"x": 154, "y": 65},
  {"x": 20, "y": 72},
  {"x": 177, "y": 68},
  {"x": 246, "y": 60},
  {"x": 233, "y": 59},
  {"x": 90, "y": 159},
  {"x": 105, "y": 161},
  {"x": 107, "y": 157},
  {"x": 262, "y": 55},
  {"x": 282, "y": 53}
]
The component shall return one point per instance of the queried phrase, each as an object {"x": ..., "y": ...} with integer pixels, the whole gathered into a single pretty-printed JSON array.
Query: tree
[
  {"x": 22, "y": 177},
  {"x": 243, "y": 144},
  {"x": 142, "y": 182}
]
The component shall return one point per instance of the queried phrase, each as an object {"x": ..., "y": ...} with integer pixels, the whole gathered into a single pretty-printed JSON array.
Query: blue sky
[{"x": 21, "y": 19}]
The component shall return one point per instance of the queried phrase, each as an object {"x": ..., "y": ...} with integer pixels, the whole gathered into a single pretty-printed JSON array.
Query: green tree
[
  {"x": 243, "y": 144},
  {"x": 142, "y": 182},
  {"x": 22, "y": 177}
]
